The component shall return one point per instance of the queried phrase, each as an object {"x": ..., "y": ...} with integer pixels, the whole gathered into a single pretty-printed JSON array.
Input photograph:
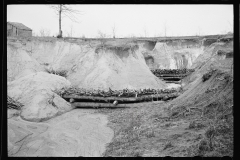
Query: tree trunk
[{"x": 60, "y": 12}]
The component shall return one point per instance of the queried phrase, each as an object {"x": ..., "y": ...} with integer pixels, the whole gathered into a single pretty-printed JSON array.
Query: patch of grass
[
  {"x": 168, "y": 145},
  {"x": 203, "y": 147},
  {"x": 196, "y": 125},
  {"x": 150, "y": 134},
  {"x": 218, "y": 138}
]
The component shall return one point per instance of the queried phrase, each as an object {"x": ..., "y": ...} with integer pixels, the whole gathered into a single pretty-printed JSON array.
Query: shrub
[
  {"x": 229, "y": 54},
  {"x": 207, "y": 76},
  {"x": 203, "y": 147}
]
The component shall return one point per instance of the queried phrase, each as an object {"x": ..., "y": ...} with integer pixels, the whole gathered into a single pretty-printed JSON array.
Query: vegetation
[
  {"x": 67, "y": 11},
  {"x": 207, "y": 75},
  {"x": 13, "y": 104},
  {"x": 201, "y": 125}
]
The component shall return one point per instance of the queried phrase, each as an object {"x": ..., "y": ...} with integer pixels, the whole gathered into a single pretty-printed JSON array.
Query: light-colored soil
[
  {"x": 36, "y": 92},
  {"x": 180, "y": 127},
  {"x": 73, "y": 134},
  {"x": 116, "y": 65}
]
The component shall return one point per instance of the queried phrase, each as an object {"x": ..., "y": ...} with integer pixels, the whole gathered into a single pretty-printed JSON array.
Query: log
[
  {"x": 155, "y": 97},
  {"x": 173, "y": 75},
  {"x": 99, "y": 105},
  {"x": 99, "y": 98}
]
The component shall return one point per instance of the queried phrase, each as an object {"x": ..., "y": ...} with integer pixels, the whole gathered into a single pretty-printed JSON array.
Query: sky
[{"x": 129, "y": 20}]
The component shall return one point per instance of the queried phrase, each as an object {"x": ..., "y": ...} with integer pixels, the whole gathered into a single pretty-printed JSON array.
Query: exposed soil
[
  {"x": 73, "y": 134},
  {"x": 197, "y": 123}
]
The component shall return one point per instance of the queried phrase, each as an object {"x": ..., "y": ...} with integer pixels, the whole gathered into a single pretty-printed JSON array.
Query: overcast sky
[{"x": 129, "y": 20}]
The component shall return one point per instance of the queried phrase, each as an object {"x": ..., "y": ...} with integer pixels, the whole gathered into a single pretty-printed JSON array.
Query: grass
[
  {"x": 196, "y": 125},
  {"x": 168, "y": 145}
]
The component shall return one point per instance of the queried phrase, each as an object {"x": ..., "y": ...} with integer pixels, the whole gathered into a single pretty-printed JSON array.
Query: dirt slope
[
  {"x": 174, "y": 54},
  {"x": 36, "y": 92},
  {"x": 19, "y": 62},
  {"x": 117, "y": 65}
]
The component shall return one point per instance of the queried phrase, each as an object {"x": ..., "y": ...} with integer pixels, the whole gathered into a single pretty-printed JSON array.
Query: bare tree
[
  {"x": 114, "y": 31},
  {"x": 47, "y": 32},
  {"x": 165, "y": 28},
  {"x": 34, "y": 34},
  {"x": 199, "y": 31},
  {"x": 101, "y": 34},
  {"x": 70, "y": 33},
  {"x": 44, "y": 32},
  {"x": 101, "y": 37},
  {"x": 65, "y": 11},
  {"x": 230, "y": 26},
  {"x": 145, "y": 32}
]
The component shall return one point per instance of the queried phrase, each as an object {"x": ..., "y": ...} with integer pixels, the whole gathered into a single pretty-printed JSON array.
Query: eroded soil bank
[
  {"x": 175, "y": 128},
  {"x": 72, "y": 134}
]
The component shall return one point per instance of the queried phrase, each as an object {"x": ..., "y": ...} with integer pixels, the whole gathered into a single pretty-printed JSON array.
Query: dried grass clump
[
  {"x": 62, "y": 73},
  {"x": 13, "y": 104},
  {"x": 207, "y": 75}
]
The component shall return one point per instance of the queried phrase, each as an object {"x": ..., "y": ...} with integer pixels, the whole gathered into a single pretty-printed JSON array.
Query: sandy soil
[
  {"x": 146, "y": 129},
  {"x": 88, "y": 65},
  {"x": 75, "y": 133}
]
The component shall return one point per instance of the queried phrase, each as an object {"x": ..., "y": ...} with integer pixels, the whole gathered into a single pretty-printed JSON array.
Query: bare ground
[{"x": 73, "y": 134}]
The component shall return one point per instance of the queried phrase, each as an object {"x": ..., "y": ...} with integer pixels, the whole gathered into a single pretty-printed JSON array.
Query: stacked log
[
  {"x": 99, "y": 105},
  {"x": 159, "y": 72},
  {"x": 116, "y": 93},
  {"x": 144, "y": 98}
]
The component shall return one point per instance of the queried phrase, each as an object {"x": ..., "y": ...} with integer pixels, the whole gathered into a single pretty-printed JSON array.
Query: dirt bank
[
  {"x": 36, "y": 92},
  {"x": 89, "y": 64},
  {"x": 73, "y": 134},
  {"x": 174, "y": 54}
]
